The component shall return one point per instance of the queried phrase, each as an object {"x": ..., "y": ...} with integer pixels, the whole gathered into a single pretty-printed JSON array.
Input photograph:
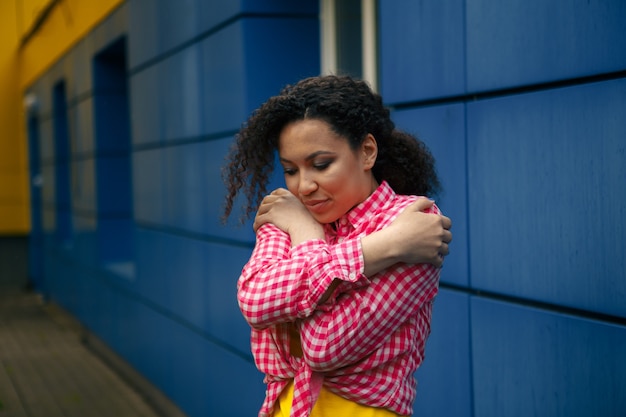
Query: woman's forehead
[{"x": 309, "y": 135}]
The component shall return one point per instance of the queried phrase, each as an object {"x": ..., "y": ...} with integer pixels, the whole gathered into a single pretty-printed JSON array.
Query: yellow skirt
[{"x": 329, "y": 405}]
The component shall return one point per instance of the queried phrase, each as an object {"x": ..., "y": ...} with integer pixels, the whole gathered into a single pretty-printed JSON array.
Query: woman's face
[{"x": 323, "y": 171}]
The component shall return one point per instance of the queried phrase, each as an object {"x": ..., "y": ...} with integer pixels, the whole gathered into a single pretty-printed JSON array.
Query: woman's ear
[{"x": 369, "y": 149}]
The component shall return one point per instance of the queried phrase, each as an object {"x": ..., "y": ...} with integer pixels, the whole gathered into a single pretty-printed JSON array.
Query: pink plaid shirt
[{"x": 366, "y": 341}]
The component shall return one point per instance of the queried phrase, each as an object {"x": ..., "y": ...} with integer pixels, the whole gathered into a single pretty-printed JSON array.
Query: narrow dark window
[
  {"x": 62, "y": 166},
  {"x": 348, "y": 31},
  {"x": 35, "y": 244},
  {"x": 113, "y": 159},
  {"x": 349, "y": 34}
]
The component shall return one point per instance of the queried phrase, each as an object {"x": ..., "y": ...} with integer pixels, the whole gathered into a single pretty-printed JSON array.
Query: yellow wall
[
  {"x": 20, "y": 65},
  {"x": 69, "y": 21},
  {"x": 14, "y": 212}
]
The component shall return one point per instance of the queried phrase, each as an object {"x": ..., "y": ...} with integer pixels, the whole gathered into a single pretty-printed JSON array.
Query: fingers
[
  {"x": 257, "y": 223},
  {"x": 270, "y": 199},
  {"x": 422, "y": 204},
  {"x": 446, "y": 237},
  {"x": 260, "y": 219},
  {"x": 446, "y": 222},
  {"x": 441, "y": 252},
  {"x": 261, "y": 214},
  {"x": 444, "y": 250},
  {"x": 280, "y": 191},
  {"x": 438, "y": 260}
]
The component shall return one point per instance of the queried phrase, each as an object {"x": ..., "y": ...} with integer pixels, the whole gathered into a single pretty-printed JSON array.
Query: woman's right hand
[{"x": 422, "y": 237}]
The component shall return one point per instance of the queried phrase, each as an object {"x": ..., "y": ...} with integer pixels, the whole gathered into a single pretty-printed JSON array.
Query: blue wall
[{"x": 522, "y": 103}]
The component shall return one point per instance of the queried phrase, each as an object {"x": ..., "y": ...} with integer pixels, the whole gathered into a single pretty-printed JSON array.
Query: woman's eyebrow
[{"x": 309, "y": 157}]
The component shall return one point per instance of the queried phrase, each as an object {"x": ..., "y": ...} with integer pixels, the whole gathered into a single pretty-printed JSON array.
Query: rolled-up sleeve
[{"x": 281, "y": 284}]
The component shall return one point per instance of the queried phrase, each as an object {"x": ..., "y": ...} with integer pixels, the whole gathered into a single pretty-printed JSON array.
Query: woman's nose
[{"x": 306, "y": 185}]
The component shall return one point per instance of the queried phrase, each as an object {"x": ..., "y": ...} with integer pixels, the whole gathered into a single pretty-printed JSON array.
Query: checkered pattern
[{"x": 366, "y": 341}]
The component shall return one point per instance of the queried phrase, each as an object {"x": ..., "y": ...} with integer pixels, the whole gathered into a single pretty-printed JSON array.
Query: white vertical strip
[
  {"x": 328, "y": 53},
  {"x": 368, "y": 42}
]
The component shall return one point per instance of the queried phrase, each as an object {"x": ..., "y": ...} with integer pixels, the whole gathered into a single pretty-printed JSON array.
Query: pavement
[{"x": 48, "y": 370}]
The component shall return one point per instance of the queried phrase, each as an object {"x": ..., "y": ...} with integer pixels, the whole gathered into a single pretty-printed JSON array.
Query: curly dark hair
[{"x": 353, "y": 111}]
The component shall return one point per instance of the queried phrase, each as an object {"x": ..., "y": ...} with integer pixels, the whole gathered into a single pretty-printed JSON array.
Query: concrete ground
[
  {"x": 50, "y": 366},
  {"x": 47, "y": 371}
]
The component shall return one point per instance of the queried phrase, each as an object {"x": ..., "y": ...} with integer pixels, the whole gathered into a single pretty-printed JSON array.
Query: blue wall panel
[
  {"x": 79, "y": 66},
  {"x": 166, "y": 99},
  {"x": 46, "y": 140},
  {"x": 223, "y": 87},
  {"x": 160, "y": 26},
  {"x": 148, "y": 189},
  {"x": 271, "y": 55},
  {"x": 422, "y": 49},
  {"x": 144, "y": 43},
  {"x": 176, "y": 22},
  {"x": 192, "y": 185},
  {"x": 83, "y": 185},
  {"x": 442, "y": 129},
  {"x": 444, "y": 379},
  {"x": 145, "y": 107},
  {"x": 150, "y": 258},
  {"x": 179, "y": 95},
  {"x": 184, "y": 264},
  {"x": 224, "y": 265},
  {"x": 274, "y": 54},
  {"x": 532, "y": 362},
  {"x": 81, "y": 127},
  {"x": 546, "y": 172},
  {"x": 517, "y": 42},
  {"x": 194, "y": 190},
  {"x": 47, "y": 218},
  {"x": 194, "y": 280}
]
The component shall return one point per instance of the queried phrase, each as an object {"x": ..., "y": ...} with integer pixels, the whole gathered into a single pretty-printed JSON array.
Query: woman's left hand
[{"x": 285, "y": 211}]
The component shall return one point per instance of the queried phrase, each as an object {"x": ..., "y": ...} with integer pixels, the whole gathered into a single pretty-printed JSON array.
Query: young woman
[{"x": 339, "y": 288}]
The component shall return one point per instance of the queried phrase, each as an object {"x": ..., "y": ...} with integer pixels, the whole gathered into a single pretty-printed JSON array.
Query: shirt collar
[{"x": 378, "y": 200}]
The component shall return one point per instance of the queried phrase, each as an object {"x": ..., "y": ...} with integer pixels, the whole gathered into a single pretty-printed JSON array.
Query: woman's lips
[{"x": 316, "y": 206}]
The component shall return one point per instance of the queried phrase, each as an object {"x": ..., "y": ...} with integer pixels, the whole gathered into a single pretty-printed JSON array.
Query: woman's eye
[
  {"x": 289, "y": 171},
  {"x": 320, "y": 166}
]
